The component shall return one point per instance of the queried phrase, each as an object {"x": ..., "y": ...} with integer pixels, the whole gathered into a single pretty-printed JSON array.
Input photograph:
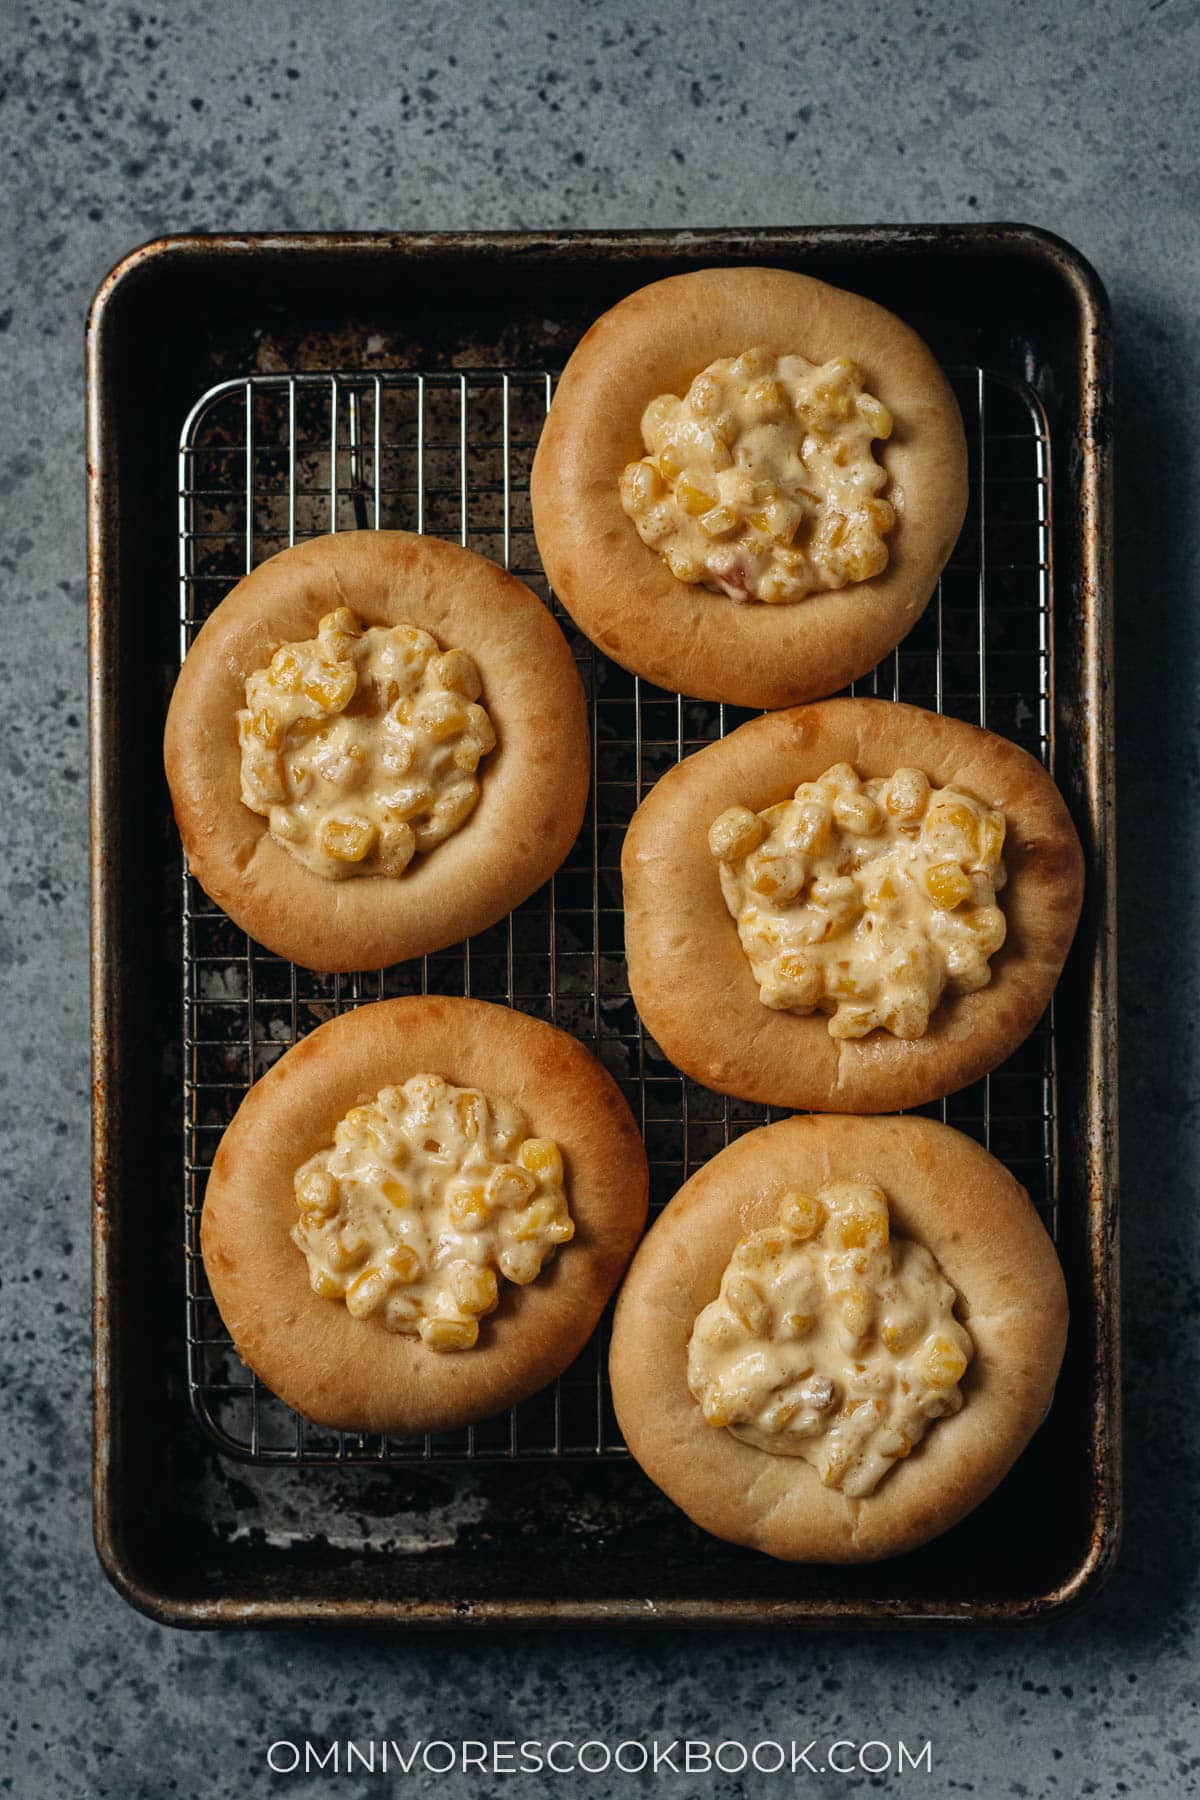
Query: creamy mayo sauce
[
  {"x": 361, "y": 747},
  {"x": 865, "y": 900},
  {"x": 761, "y": 482},
  {"x": 830, "y": 1340},
  {"x": 428, "y": 1194}
]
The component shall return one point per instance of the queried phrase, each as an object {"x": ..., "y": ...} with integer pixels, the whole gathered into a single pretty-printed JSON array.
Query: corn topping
[
  {"x": 425, "y": 1198},
  {"x": 361, "y": 746},
  {"x": 867, "y": 901},
  {"x": 761, "y": 482},
  {"x": 830, "y": 1339}
]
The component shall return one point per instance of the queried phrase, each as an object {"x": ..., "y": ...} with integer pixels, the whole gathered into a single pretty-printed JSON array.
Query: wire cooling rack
[{"x": 269, "y": 460}]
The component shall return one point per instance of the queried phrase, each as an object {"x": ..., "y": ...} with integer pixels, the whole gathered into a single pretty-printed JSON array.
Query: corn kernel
[
  {"x": 952, "y": 815},
  {"x": 947, "y": 885},
  {"x": 766, "y": 879},
  {"x": 748, "y": 1305},
  {"x": 670, "y": 462},
  {"x": 326, "y": 1286},
  {"x": 284, "y": 824},
  {"x": 719, "y": 521},
  {"x": 450, "y": 1334},
  {"x": 542, "y": 1157},
  {"x": 641, "y": 486},
  {"x": 347, "y": 840},
  {"x": 403, "y": 1259},
  {"x": 943, "y": 1363},
  {"x": 811, "y": 828},
  {"x": 468, "y": 1207},
  {"x": 874, "y": 415},
  {"x": 330, "y": 686},
  {"x": 455, "y": 670},
  {"x": 857, "y": 813},
  {"x": 694, "y": 497},
  {"x": 510, "y": 1186},
  {"x": 856, "y": 1309},
  {"x": 882, "y": 892},
  {"x": 367, "y": 1293},
  {"x": 286, "y": 670},
  {"x": 704, "y": 395},
  {"x": 468, "y": 1111},
  {"x": 735, "y": 833},
  {"x": 395, "y": 1192},
  {"x": 342, "y": 620},
  {"x": 454, "y": 806},
  {"x": 368, "y": 1119},
  {"x": 265, "y": 774},
  {"x": 861, "y": 1226},
  {"x": 535, "y": 1221},
  {"x": 802, "y": 978},
  {"x": 317, "y": 1192},
  {"x": 991, "y": 838},
  {"x": 802, "y": 1213},
  {"x": 898, "y": 1334},
  {"x": 443, "y": 717},
  {"x": 834, "y": 1469},
  {"x": 397, "y": 847},
  {"x": 475, "y": 1289},
  {"x": 750, "y": 363},
  {"x": 907, "y": 794},
  {"x": 521, "y": 1263},
  {"x": 683, "y": 566},
  {"x": 266, "y": 727},
  {"x": 764, "y": 1247},
  {"x": 347, "y": 1250},
  {"x": 988, "y": 925},
  {"x": 415, "y": 646},
  {"x": 769, "y": 399},
  {"x": 407, "y": 802},
  {"x": 480, "y": 728}
]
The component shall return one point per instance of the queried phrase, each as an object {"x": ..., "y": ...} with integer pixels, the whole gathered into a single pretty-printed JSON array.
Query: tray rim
[{"x": 1095, "y": 546}]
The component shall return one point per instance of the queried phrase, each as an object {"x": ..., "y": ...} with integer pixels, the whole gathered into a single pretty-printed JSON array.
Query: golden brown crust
[
  {"x": 621, "y": 593},
  {"x": 693, "y": 983},
  {"x": 944, "y": 1190},
  {"x": 354, "y": 1373},
  {"x": 533, "y": 786}
]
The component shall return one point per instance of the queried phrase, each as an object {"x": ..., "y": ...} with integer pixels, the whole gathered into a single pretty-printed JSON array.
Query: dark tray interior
[{"x": 196, "y": 1538}]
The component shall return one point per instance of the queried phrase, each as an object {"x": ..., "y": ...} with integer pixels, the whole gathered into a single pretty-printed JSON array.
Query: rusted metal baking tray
[{"x": 248, "y": 392}]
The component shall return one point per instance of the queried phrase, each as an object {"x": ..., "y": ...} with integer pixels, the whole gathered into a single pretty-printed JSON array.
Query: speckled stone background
[{"x": 118, "y": 124}]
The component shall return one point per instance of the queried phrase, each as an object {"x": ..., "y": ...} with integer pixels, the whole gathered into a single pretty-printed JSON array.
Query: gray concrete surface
[{"x": 119, "y": 122}]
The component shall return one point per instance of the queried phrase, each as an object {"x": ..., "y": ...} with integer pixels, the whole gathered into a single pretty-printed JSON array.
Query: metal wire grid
[{"x": 269, "y": 460}]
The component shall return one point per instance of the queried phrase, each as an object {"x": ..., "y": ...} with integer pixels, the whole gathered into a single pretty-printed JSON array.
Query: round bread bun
[
  {"x": 355, "y": 1374},
  {"x": 533, "y": 785},
  {"x": 620, "y": 591},
  {"x": 943, "y": 1190},
  {"x": 693, "y": 983}
]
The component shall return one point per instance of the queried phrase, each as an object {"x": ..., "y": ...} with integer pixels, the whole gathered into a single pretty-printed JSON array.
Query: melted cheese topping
[
  {"x": 761, "y": 483},
  {"x": 831, "y": 1341},
  {"x": 361, "y": 747},
  {"x": 865, "y": 900},
  {"x": 427, "y": 1194}
]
